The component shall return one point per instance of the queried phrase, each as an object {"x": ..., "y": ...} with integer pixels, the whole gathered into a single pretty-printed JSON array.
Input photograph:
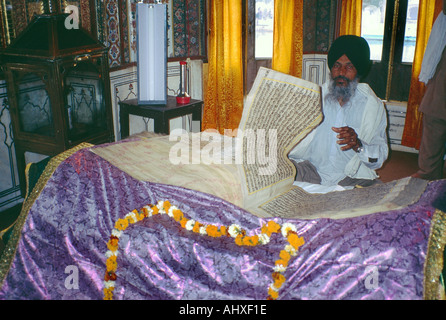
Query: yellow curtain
[
  {"x": 427, "y": 13},
  {"x": 223, "y": 103},
  {"x": 351, "y": 15},
  {"x": 288, "y": 37}
]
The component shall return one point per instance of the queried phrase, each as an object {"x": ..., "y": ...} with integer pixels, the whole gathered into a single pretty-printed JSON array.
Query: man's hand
[{"x": 347, "y": 137}]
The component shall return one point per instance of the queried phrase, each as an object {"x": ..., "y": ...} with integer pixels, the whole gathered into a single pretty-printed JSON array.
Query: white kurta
[{"x": 366, "y": 114}]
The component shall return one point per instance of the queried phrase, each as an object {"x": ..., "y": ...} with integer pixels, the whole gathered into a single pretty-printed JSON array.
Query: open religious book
[
  {"x": 280, "y": 110},
  {"x": 288, "y": 109},
  {"x": 252, "y": 170}
]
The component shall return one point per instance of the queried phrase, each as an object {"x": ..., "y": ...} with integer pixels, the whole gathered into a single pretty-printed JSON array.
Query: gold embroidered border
[
  {"x": 433, "y": 290},
  {"x": 11, "y": 246}
]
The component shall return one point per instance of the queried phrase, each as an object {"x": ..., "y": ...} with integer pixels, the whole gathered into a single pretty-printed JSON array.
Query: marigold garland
[{"x": 288, "y": 231}]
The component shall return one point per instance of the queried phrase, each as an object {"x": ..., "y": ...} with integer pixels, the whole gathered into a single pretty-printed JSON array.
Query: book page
[
  {"x": 296, "y": 203},
  {"x": 279, "y": 111}
]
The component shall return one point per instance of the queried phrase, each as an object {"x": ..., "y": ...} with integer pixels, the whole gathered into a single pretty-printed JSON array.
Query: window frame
[
  {"x": 251, "y": 64},
  {"x": 390, "y": 77}
]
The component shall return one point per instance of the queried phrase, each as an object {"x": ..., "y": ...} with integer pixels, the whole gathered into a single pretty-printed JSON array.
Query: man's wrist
[{"x": 359, "y": 147}]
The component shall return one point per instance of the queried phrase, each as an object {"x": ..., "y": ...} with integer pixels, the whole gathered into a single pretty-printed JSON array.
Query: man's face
[{"x": 343, "y": 71}]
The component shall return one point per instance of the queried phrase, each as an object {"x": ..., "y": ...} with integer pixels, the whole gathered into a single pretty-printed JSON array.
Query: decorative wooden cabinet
[{"x": 58, "y": 89}]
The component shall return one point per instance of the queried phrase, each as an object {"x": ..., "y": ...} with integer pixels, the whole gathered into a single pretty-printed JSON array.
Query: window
[
  {"x": 264, "y": 20},
  {"x": 372, "y": 27},
  {"x": 410, "y": 32},
  {"x": 258, "y": 36},
  {"x": 390, "y": 28}
]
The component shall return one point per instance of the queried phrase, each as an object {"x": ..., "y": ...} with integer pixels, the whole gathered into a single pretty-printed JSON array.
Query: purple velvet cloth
[{"x": 378, "y": 256}]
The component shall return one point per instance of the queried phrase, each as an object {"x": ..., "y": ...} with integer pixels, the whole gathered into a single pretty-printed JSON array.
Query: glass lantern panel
[
  {"x": 84, "y": 101},
  {"x": 34, "y": 105}
]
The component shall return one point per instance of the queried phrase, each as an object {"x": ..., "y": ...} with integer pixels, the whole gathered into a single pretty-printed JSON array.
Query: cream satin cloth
[{"x": 147, "y": 159}]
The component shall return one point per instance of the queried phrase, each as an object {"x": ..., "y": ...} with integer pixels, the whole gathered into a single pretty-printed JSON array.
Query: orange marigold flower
[
  {"x": 121, "y": 224},
  {"x": 270, "y": 228},
  {"x": 250, "y": 241},
  {"x": 108, "y": 294},
  {"x": 155, "y": 210},
  {"x": 224, "y": 230},
  {"x": 273, "y": 294},
  {"x": 273, "y": 227},
  {"x": 279, "y": 279},
  {"x": 281, "y": 262},
  {"x": 111, "y": 264},
  {"x": 177, "y": 215},
  {"x": 183, "y": 222},
  {"x": 139, "y": 216},
  {"x": 239, "y": 240},
  {"x": 264, "y": 230},
  {"x": 112, "y": 244},
  {"x": 166, "y": 205},
  {"x": 278, "y": 284},
  {"x": 285, "y": 255},
  {"x": 277, "y": 275},
  {"x": 212, "y": 231},
  {"x": 196, "y": 227},
  {"x": 246, "y": 241},
  {"x": 295, "y": 240}
]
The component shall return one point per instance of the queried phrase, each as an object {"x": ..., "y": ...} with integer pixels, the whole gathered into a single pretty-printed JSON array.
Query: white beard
[{"x": 337, "y": 93}]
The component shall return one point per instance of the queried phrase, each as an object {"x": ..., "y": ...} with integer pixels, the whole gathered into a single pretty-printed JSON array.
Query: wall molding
[{"x": 314, "y": 68}]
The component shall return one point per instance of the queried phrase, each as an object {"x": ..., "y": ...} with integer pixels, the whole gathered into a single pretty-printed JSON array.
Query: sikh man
[{"x": 350, "y": 144}]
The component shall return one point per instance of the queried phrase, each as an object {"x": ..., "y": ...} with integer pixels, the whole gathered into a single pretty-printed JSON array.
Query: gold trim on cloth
[
  {"x": 433, "y": 289},
  {"x": 8, "y": 254}
]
